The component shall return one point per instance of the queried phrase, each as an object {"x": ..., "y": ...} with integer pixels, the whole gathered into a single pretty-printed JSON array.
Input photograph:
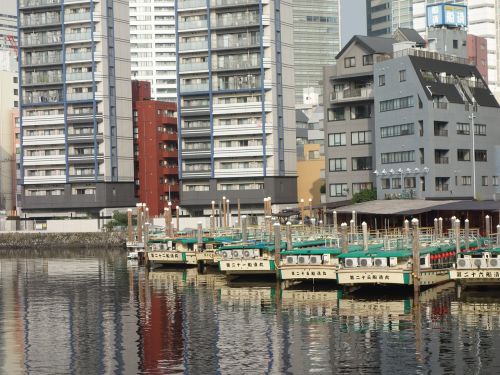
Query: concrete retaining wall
[{"x": 39, "y": 240}]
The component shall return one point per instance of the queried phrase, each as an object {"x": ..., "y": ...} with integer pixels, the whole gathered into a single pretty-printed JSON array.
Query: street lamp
[{"x": 472, "y": 130}]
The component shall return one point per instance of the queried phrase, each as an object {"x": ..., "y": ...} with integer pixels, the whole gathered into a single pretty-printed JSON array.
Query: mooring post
[
  {"x": 436, "y": 229},
  {"x": 440, "y": 224},
  {"x": 457, "y": 235},
  {"x": 165, "y": 218},
  {"x": 130, "y": 233},
  {"x": 177, "y": 220},
  {"x": 277, "y": 245},
  {"x": 289, "y": 245},
  {"x": 335, "y": 223},
  {"x": 170, "y": 229},
  {"x": 406, "y": 232},
  {"x": 139, "y": 222},
  {"x": 498, "y": 235},
  {"x": 344, "y": 238},
  {"x": 351, "y": 223},
  {"x": 228, "y": 213},
  {"x": 324, "y": 216},
  {"x": 364, "y": 227},
  {"x": 310, "y": 209},
  {"x": 199, "y": 235},
  {"x": 488, "y": 229},
  {"x": 244, "y": 229},
  {"x": 416, "y": 257},
  {"x": 239, "y": 212},
  {"x": 302, "y": 212},
  {"x": 224, "y": 212},
  {"x": 467, "y": 234},
  {"x": 146, "y": 244}
]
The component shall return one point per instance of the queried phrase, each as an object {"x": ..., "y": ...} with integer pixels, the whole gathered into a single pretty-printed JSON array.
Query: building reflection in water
[{"x": 91, "y": 312}]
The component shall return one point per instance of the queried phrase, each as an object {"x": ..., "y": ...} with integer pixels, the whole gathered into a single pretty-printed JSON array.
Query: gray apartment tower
[
  {"x": 236, "y": 114},
  {"x": 75, "y": 105},
  {"x": 385, "y": 16}
]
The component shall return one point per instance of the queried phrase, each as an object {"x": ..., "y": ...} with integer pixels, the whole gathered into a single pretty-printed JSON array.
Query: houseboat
[
  {"x": 477, "y": 267},
  {"x": 381, "y": 267}
]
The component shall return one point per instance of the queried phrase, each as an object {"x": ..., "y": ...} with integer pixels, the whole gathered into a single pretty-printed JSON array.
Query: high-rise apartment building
[
  {"x": 385, "y": 16},
  {"x": 75, "y": 105},
  {"x": 316, "y": 41},
  {"x": 236, "y": 102},
  {"x": 152, "y": 46}
]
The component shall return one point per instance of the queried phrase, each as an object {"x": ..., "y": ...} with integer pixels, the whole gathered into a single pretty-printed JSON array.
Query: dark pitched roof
[
  {"x": 301, "y": 116},
  {"x": 483, "y": 96},
  {"x": 372, "y": 44},
  {"x": 409, "y": 35}
]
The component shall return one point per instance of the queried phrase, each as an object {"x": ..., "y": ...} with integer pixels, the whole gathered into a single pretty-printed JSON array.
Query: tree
[{"x": 364, "y": 195}]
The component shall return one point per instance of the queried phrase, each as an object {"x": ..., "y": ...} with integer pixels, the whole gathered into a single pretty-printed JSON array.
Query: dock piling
[
  {"x": 130, "y": 234},
  {"x": 488, "y": 229},
  {"x": 440, "y": 225},
  {"x": 244, "y": 229},
  {"x": 344, "y": 240},
  {"x": 289, "y": 245},
  {"x": 457, "y": 235},
  {"x": 498, "y": 235},
  {"x": 436, "y": 229},
  {"x": 277, "y": 244},
  {"x": 177, "y": 221},
  {"x": 365, "y": 235},
  {"x": 335, "y": 223},
  {"x": 416, "y": 257},
  {"x": 199, "y": 235},
  {"x": 467, "y": 234},
  {"x": 139, "y": 222}
]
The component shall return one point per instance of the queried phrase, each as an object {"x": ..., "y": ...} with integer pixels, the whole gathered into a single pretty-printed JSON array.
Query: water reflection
[{"x": 92, "y": 312}]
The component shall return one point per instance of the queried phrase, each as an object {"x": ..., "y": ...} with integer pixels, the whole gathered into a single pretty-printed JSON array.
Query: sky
[{"x": 352, "y": 19}]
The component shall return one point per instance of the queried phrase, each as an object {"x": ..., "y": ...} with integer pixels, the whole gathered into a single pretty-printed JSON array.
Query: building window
[
  {"x": 338, "y": 190},
  {"x": 479, "y": 129},
  {"x": 494, "y": 180},
  {"x": 349, "y": 62},
  {"x": 402, "y": 75},
  {"x": 367, "y": 59},
  {"x": 410, "y": 182},
  {"x": 455, "y": 43},
  {"x": 397, "y": 157},
  {"x": 395, "y": 104},
  {"x": 336, "y": 139},
  {"x": 481, "y": 155},
  {"x": 484, "y": 180},
  {"x": 442, "y": 183},
  {"x": 463, "y": 155},
  {"x": 396, "y": 130},
  {"x": 466, "y": 180},
  {"x": 361, "y": 138},
  {"x": 381, "y": 80},
  {"x": 361, "y": 111},
  {"x": 396, "y": 183},
  {"x": 313, "y": 155},
  {"x": 357, "y": 187},
  {"x": 386, "y": 183},
  {"x": 338, "y": 165},
  {"x": 336, "y": 114},
  {"x": 463, "y": 128},
  {"x": 362, "y": 163}
]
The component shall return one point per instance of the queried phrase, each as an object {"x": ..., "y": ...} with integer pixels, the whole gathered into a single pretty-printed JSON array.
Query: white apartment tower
[
  {"x": 75, "y": 105},
  {"x": 152, "y": 46},
  {"x": 483, "y": 20},
  {"x": 236, "y": 102}
]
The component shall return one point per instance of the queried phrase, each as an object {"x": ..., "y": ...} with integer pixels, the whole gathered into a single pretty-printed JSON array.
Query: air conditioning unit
[
  {"x": 351, "y": 262},
  {"x": 303, "y": 259},
  {"x": 247, "y": 253},
  {"x": 236, "y": 254},
  {"x": 291, "y": 259},
  {"x": 256, "y": 253},
  {"x": 226, "y": 254},
  {"x": 494, "y": 262},
  {"x": 365, "y": 262},
  {"x": 393, "y": 261},
  {"x": 380, "y": 262},
  {"x": 326, "y": 258},
  {"x": 463, "y": 263},
  {"x": 315, "y": 259},
  {"x": 425, "y": 261},
  {"x": 479, "y": 263}
]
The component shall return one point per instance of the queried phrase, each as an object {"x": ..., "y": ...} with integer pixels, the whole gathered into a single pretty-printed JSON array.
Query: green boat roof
[{"x": 313, "y": 251}]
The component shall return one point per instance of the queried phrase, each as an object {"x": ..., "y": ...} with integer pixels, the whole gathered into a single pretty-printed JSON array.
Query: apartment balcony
[
  {"x": 43, "y": 120},
  {"x": 192, "y": 25},
  {"x": 43, "y": 140},
  {"x": 440, "y": 132},
  {"x": 84, "y": 138},
  {"x": 241, "y": 129},
  {"x": 42, "y": 99},
  {"x": 440, "y": 105},
  {"x": 168, "y": 154},
  {"x": 80, "y": 96},
  {"x": 237, "y": 44},
  {"x": 59, "y": 179},
  {"x": 40, "y": 22},
  {"x": 169, "y": 171},
  {"x": 192, "y": 88},
  {"x": 40, "y": 40},
  {"x": 196, "y": 153},
  {"x": 84, "y": 158},
  {"x": 441, "y": 160},
  {"x": 200, "y": 45},
  {"x": 233, "y": 3},
  {"x": 442, "y": 187},
  {"x": 193, "y": 67},
  {"x": 81, "y": 76},
  {"x": 238, "y": 65},
  {"x": 196, "y": 174},
  {"x": 85, "y": 177},
  {"x": 42, "y": 81},
  {"x": 237, "y": 22},
  {"x": 365, "y": 93},
  {"x": 78, "y": 17},
  {"x": 238, "y": 172},
  {"x": 78, "y": 37},
  {"x": 79, "y": 1},
  {"x": 232, "y": 152},
  {"x": 82, "y": 56},
  {"x": 172, "y": 187},
  {"x": 40, "y": 61},
  {"x": 44, "y": 160},
  {"x": 27, "y": 4},
  {"x": 191, "y": 4},
  {"x": 167, "y": 137},
  {"x": 250, "y": 107}
]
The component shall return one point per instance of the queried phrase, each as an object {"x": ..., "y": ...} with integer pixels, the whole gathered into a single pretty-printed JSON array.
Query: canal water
[{"x": 94, "y": 312}]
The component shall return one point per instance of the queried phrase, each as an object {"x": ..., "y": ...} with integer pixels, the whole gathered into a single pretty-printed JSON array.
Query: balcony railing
[
  {"x": 189, "y": 4},
  {"x": 40, "y": 21},
  {"x": 38, "y": 99},
  {"x": 441, "y": 160},
  {"x": 36, "y": 40},
  {"x": 442, "y": 187},
  {"x": 68, "y": 17},
  {"x": 239, "y": 65},
  {"x": 45, "y": 60},
  {"x": 191, "y": 46},
  {"x": 72, "y": 37},
  {"x": 80, "y": 96},
  {"x": 193, "y": 67},
  {"x": 430, "y": 55},
  {"x": 79, "y": 56},
  {"x": 237, "y": 22},
  {"x": 238, "y": 43},
  {"x": 240, "y": 85},
  {"x": 356, "y": 93},
  {"x": 223, "y": 3},
  {"x": 42, "y": 80},
  {"x": 440, "y": 132},
  {"x": 194, "y": 87},
  {"x": 82, "y": 76},
  {"x": 189, "y": 25},
  {"x": 440, "y": 105},
  {"x": 38, "y": 3}
]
